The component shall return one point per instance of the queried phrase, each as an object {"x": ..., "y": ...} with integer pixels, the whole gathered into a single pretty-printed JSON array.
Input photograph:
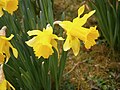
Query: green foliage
[
  {"x": 108, "y": 17},
  {"x": 27, "y": 72}
]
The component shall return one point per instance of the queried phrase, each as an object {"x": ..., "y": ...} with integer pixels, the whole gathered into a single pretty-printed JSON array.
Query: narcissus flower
[
  {"x": 4, "y": 84},
  {"x": 43, "y": 42},
  {"x": 75, "y": 32},
  {"x": 5, "y": 46},
  {"x": 8, "y": 5}
]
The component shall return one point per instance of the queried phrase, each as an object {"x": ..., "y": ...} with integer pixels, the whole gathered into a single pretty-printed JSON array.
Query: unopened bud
[
  {"x": 3, "y": 31},
  {"x": 1, "y": 73}
]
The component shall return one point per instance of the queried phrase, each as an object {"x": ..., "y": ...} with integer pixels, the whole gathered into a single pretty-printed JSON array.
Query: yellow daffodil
[
  {"x": 43, "y": 42},
  {"x": 8, "y": 5},
  {"x": 75, "y": 32},
  {"x": 5, "y": 46},
  {"x": 4, "y": 84}
]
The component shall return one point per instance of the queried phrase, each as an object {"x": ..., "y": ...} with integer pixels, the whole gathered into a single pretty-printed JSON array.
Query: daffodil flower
[
  {"x": 8, "y": 5},
  {"x": 75, "y": 32},
  {"x": 5, "y": 46},
  {"x": 4, "y": 84},
  {"x": 43, "y": 41}
]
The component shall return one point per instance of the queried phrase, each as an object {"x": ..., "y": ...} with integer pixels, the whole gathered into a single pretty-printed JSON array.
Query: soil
[{"x": 94, "y": 69}]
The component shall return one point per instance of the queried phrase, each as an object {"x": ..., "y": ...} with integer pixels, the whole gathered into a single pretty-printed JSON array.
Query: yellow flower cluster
[
  {"x": 43, "y": 42},
  {"x": 8, "y": 5}
]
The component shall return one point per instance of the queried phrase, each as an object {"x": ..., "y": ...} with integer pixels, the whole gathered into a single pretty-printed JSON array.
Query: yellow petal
[
  {"x": 6, "y": 51},
  {"x": 75, "y": 44},
  {"x": 81, "y": 21},
  {"x": 54, "y": 44},
  {"x": 2, "y": 44},
  {"x": 59, "y": 38},
  {"x": 1, "y": 12},
  {"x": 86, "y": 16},
  {"x": 1, "y": 6},
  {"x": 81, "y": 10},
  {"x": 36, "y": 49},
  {"x": 80, "y": 32},
  {"x": 10, "y": 5},
  {"x": 34, "y": 41},
  {"x": 9, "y": 38},
  {"x": 1, "y": 58},
  {"x": 66, "y": 25},
  {"x": 10, "y": 85},
  {"x": 31, "y": 42},
  {"x": 67, "y": 44},
  {"x": 15, "y": 52},
  {"x": 48, "y": 30},
  {"x": 56, "y": 37},
  {"x": 3, "y": 85},
  {"x": 34, "y": 32}
]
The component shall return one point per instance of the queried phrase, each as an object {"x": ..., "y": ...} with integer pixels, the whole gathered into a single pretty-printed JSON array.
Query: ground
[{"x": 94, "y": 69}]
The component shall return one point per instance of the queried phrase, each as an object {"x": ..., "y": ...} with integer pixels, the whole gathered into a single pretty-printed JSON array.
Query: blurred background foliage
[
  {"x": 94, "y": 69},
  {"x": 108, "y": 17}
]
